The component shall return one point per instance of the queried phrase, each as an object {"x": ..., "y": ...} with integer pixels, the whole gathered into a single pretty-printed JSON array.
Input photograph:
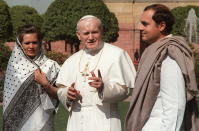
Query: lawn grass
[
  {"x": 62, "y": 116},
  {"x": 61, "y": 119}
]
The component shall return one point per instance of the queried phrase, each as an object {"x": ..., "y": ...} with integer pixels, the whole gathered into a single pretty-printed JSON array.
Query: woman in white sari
[{"x": 27, "y": 105}]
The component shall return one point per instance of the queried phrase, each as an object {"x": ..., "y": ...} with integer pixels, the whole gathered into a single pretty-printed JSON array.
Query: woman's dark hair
[{"x": 29, "y": 29}]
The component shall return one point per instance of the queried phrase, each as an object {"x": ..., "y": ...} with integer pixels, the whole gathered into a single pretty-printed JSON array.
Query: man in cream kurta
[
  {"x": 168, "y": 111},
  {"x": 101, "y": 75},
  {"x": 165, "y": 84}
]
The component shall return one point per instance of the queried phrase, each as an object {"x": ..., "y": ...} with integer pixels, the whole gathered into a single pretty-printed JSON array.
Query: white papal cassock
[{"x": 97, "y": 111}]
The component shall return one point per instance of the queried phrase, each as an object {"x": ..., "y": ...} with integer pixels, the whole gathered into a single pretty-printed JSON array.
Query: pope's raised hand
[{"x": 96, "y": 81}]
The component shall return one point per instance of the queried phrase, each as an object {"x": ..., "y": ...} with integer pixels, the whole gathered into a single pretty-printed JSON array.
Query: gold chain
[{"x": 87, "y": 63}]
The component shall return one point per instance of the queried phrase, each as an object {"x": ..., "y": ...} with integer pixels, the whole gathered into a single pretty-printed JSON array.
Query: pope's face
[
  {"x": 150, "y": 31},
  {"x": 90, "y": 34},
  {"x": 31, "y": 45}
]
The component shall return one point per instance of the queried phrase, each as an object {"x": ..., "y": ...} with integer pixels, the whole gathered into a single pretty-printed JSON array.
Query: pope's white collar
[{"x": 94, "y": 51}]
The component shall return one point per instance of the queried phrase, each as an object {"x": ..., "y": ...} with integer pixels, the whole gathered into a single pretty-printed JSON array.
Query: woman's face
[{"x": 31, "y": 45}]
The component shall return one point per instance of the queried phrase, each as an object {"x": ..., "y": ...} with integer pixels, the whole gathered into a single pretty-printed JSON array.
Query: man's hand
[
  {"x": 73, "y": 94},
  {"x": 97, "y": 81}
]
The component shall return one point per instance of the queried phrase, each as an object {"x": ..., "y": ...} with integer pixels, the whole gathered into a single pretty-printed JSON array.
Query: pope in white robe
[{"x": 96, "y": 107}]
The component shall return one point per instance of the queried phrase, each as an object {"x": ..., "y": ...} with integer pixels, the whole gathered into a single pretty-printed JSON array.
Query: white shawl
[{"x": 19, "y": 83}]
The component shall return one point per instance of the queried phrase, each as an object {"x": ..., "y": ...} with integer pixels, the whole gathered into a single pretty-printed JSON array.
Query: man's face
[
  {"x": 90, "y": 34},
  {"x": 150, "y": 31},
  {"x": 31, "y": 45}
]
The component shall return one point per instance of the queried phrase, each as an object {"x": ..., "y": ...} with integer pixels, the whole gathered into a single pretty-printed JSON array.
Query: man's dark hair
[
  {"x": 162, "y": 14},
  {"x": 29, "y": 29}
]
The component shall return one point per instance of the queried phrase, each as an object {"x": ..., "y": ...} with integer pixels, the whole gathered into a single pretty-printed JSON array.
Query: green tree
[
  {"x": 4, "y": 56},
  {"x": 5, "y": 22},
  {"x": 22, "y": 15},
  {"x": 181, "y": 13},
  {"x": 53, "y": 28},
  {"x": 62, "y": 15}
]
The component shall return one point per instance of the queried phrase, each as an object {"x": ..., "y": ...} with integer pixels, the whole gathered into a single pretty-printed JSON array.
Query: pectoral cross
[{"x": 85, "y": 72}]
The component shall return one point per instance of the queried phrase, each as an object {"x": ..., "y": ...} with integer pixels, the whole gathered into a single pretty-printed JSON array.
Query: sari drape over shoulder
[{"x": 23, "y": 107}]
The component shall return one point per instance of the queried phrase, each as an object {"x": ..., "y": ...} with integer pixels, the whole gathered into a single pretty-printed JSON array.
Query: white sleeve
[
  {"x": 62, "y": 78},
  {"x": 61, "y": 93},
  {"x": 121, "y": 80},
  {"x": 172, "y": 92},
  {"x": 114, "y": 92}
]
